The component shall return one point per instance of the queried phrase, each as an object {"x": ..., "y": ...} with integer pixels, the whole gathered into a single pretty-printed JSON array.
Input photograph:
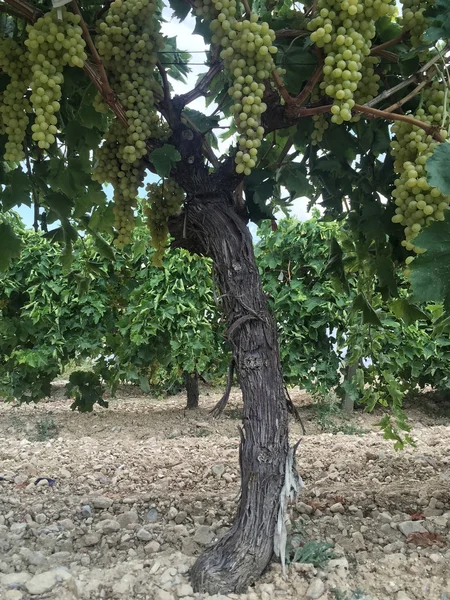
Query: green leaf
[
  {"x": 293, "y": 177},
  {"x": 10, "y": 245},
  {"x": 438, "y": 168},
  {"x": 369, "y": 316},
  {"x": 104, "y": 249},
  {"x": 402, "y": 309},
  {"x": 430, "y": 278},
  {"x": 17, "y": 190},
  {"x": 180, "y": 8},
  {"x": 60, "y": 203},
  {"x": 164, "y": 159}
]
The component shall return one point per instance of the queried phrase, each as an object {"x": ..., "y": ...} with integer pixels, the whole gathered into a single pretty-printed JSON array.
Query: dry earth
[{"x": 138, "y": 489}]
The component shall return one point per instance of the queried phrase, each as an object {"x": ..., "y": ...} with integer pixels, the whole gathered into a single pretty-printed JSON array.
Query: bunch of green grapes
[
  {"x": 414, "y": 20},
  {"x": 52, "y": 44},
  {"x": 248, "y": 58},
  {"x": 128, "y": 41},
  {"x": 345, "y": 29},
  {"x": 14, "y": 105},
  {"x": 125, "y": 177},
  {"x": 418, "y": 203},
  {"x": 321, "y": 123},
  {"x": 163, "y": 201},
  {"x": 205, "y": 9}
]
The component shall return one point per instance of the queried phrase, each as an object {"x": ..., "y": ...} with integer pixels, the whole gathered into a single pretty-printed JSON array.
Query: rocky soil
[{"x": 119, "y": 502}]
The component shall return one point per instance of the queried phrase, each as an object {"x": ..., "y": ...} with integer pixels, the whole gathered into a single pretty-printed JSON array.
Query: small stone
[
  {"x": 337, "y": 508},
  {"x": 18, "y": 528},
  {"x": 163, "y": 595},
  {"x": 41, "y": 518},
  {"x": 358, "y": 538},
  {"x": 102, "y": 502},
  {"x": 21, "y": 479},
  {"x": 152, "y": 515},
  {"x": 203, "y": 535},
  {"x": 66, "y": 524},
  {"x": 13, "y": 595},
  {"x": 305, "y": 509},
  {"x": 33, "y": 558},
  {"x": 408, "y": 527},
  {"x": 86, "y": 511},
  {"x": 128, "y": 518},
  {"x": 184, "y": 590},
  {"x": 181, "y": 517},
  {"x": 125, "y": 585},
  {"x": 42, "y": 583},
  {"x": 144, "y": 535},
  {"x": 316, "y": 589},
  {"x": 108, "y": 526},
  {"x": 90, "y": 539},
  {"x": 172, "y": 513},
  {"x": 14, "y": 579},
  {"x": 152, "y": 547},
  {"x": 218, "y": 470},
  {"x": 402, "y": 596},
  {"x": 65, "y": 473}
]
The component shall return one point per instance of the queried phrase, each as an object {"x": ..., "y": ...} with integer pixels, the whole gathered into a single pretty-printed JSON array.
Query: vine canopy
[{"x": 341, "y": 102}]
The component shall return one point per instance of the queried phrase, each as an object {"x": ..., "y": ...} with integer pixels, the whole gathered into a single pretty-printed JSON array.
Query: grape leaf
[
  {"x": 10, "y": 245},
  {"x": 430, "y": 278},
  {"x": 437, "y": 168},
  {"x": 180, "y": 9},
  {"x": 368, "y": 315},
  {"x": 164, "y": 159},
  {"x": 402, "y": 309}
]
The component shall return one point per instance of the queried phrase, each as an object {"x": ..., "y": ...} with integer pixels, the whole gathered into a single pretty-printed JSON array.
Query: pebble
[
  {"x": 90, "y": 539},
  {"x": 108, "y": 526},
  {"x": 11, "y": 579},
  {"x": 402, "y": 596},
  {"x": 218, "y": 470},
  {"x": 102, "y": 502},
  {"x": 13, "y": 595},
  {"x": 42, "y": 583},
  {"x": 33, "y": 558},
  {"x": 337, "y": 508},
  {"x": 144, "y": 535},
  {"x": 408, "y": 527},
  {"x": 152, "y": 547},
  {"x": 316, "y": 589},
  {"x": 203, "y": 535},
  {"x": 152, "y": 515},
  {"x": 128, "y": 518},
  {"x": 86, "y": 511},
  {"x": 184, "y": 590},
  {"x": 305, "y": 509}
]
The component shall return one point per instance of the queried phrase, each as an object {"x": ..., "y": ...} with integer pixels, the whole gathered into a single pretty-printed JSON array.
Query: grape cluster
[
  {"x": 205, "y": 9},
  {"x": 163, "y": 201},
  {"x": 128, "y": 41},
  {"x": 345, "y": 29},
  {"x": 418, "y": 203},
  {"x": 126, "y": 179},
  {"x": 414, "y": 20},
  {"x": 321, "y": 123},
  {"x": 247, "y": 52},
  {"x": 52, "y": 44},
  {"x": 14, "y": 106}
]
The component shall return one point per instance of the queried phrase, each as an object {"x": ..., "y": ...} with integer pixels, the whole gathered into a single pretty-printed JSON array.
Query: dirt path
[{"x": 138, "y": 489}]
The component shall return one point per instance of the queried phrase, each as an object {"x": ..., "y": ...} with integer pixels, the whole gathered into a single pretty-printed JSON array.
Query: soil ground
[{"x": 129, "y": 495}]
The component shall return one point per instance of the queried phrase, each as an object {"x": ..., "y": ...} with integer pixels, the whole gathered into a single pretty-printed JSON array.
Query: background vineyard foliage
[{"x": 146, "y": 325}]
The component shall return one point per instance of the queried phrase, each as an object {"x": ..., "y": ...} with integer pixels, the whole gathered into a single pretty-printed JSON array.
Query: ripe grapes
[
  {"x": 14, "y": 106},
  {"x": 414, "y": 20},
  {"x": 345, "y": 29},
  {"x": 52, "y": 44},
  {"x": 163, "y": 201},
  {"x": 418, "y": 203},
  {"x": 247, "y": 52}
]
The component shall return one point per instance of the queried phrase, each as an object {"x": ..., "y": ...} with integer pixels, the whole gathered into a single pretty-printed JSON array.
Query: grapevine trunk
[
  {"x": 212, "y": 227},
  {"x": 191, "y": 383}
]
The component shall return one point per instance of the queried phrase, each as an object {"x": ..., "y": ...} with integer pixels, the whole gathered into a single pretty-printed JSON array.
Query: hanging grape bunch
[
  {"x": 53, "y": 43},
  {"x": 417, "y": 203},
  {"x": 345, "y": 29},
  {"x": 414, "y": 20},
  {"x": 163, "y": 200},
  {"x": 14, "y": 105},
  {"x": 248, "y": 58}
]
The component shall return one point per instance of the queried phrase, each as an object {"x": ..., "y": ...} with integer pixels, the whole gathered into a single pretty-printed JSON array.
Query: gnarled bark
[
  {"x": 191, "y": 383},
  {"x": 210, "y": 226}
]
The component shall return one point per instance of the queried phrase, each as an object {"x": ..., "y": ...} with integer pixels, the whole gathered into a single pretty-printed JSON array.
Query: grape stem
[
  {"x": 397, "y": 40},
  {"x": 281, "y": 88},
  {"x": 167, "y": 98},
  {"x": 246, "y": 7},
  {"x": 408, "y": 97},
  {"x": 375, "y": 113},
  {"x": 413, "y": 79},
  {"x": 107, "y": 93}
]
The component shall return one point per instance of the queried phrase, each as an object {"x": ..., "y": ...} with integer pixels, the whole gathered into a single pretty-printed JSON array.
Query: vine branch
[
  {"x": 397, "y": 40},
  {"x": 375, "y": 113},
  {"x": 201, "y": 89},
  {"x": 408, "y": 97},
  {"x": 23, "y": 9}
]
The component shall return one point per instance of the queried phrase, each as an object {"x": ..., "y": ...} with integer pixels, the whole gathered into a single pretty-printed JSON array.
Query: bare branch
[
  {"x": 397, "y": 40},
  {"x": 201, "y": 89},
  {"x": 169, "y": 112},
  {"x": 108, "y": 94},
  {"x": 246, "y": 7},
  {"x": 315, "y": 78},
  {"x": 291, "y": 33},
  {"x": 375, "y": 113},
  {"x": 23, "y": 10},
  {"x": 281, "y": 87},
  {"x": 408, "y": 97}
]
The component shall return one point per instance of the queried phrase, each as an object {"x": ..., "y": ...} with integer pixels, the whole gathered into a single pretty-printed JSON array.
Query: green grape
[
  {"x": 14, "y": 105},
  {"x": 53, "y": 43},
  {"x": 417, "y": 203},
  {"x": 128, "y": 41},
  {"x": 247, "y": 52},
  {"x": 163, "y": 201},
  {"x": 345, "y": 30},
  {"x": 414, "y": 20},
  {"x": 321, "y": 123}
]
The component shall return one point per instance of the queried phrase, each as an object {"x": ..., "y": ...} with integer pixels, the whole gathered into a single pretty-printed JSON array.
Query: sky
[{"x": 189, "y": 42}]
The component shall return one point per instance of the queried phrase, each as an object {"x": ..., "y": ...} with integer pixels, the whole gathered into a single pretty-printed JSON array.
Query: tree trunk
[
  {"x": 191, "y": 383},
  {"x": 211, "y": 227},
  {"x": 349, "y": 403}
]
